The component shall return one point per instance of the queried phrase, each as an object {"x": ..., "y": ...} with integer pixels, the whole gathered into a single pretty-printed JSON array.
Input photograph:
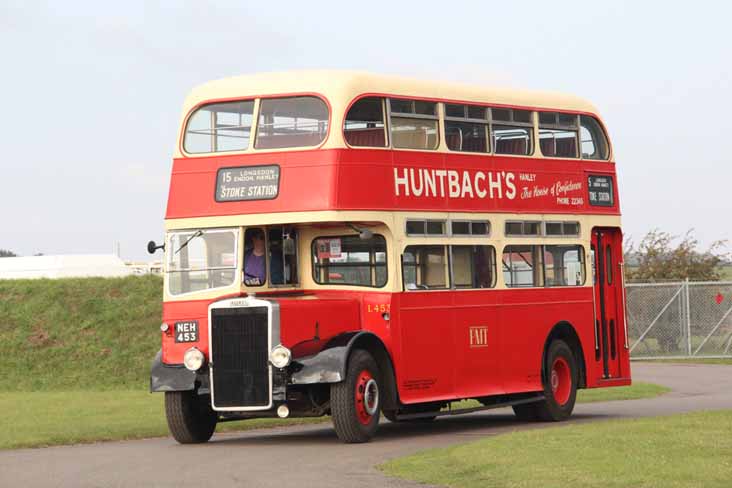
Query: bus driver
[{"x": 254, "y": 270}]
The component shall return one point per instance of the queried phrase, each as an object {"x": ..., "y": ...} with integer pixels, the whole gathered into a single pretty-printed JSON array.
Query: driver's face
[{"x": 258, "y": 243}]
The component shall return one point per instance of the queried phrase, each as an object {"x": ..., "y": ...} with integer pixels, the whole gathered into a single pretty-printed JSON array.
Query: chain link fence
[{"x": 682, "y": 319}]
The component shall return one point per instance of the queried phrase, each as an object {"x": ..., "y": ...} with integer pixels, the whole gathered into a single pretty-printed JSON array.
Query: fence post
[{"x": 688, "y": 319}]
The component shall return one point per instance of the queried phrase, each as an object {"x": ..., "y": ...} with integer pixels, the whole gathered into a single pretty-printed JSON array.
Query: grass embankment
[
  {"x": 78, "y": 355},
  {"x": 685, "y": 450},
  {"x": 79, "y": 334}
]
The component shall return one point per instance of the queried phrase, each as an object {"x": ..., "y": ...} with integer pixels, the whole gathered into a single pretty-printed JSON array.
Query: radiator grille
[{"x": 240, "y": 357}]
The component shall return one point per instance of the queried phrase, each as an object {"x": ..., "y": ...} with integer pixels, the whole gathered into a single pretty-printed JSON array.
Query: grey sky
[{"x": 92, "y": 95}]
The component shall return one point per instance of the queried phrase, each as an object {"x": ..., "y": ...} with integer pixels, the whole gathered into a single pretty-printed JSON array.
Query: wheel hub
[
  {"x": 561, "y": 381},
  {"x": 367, "y": 397}
]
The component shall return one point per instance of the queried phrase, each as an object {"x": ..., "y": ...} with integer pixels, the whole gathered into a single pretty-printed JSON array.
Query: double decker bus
[{"x": 353, "y": 245}]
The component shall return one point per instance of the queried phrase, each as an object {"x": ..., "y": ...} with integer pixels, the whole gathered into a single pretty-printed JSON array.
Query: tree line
[{"x": 661, "y": 256}]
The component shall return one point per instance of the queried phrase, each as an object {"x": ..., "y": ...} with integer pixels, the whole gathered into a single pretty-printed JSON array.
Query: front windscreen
[{"x": 201, "y": 259}]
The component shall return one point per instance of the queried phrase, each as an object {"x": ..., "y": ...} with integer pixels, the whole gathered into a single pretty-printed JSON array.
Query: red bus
[{"x": 354, "y": 245}]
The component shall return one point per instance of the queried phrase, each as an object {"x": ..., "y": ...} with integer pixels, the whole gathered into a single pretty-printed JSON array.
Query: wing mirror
[{"x": 152, "y": 247}]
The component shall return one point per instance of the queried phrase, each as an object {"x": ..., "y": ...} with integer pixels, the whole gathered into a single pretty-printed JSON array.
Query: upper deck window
[
  {"x": 219, "y": 127},
  {"x": 594, "y": 143},
  {"x": 413, "y": 124},
  {"x": 291, "y": 122},
  {"x": 512, "y": 131},
  {"x": 558, "y": 134},
  {"x": 364, "y": 125},
  {"x": 466, "y": 128}
]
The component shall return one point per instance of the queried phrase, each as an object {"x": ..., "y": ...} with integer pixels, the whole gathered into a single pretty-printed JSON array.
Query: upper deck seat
[
  {"x": 454, "y": 141},
  {"x": 511, "y": 146},
  {"x": 566, "y": 148},
  {"x": 288, "y": 140},
  {"x": 371, "y": 137},
  {"x": 547, "y": 146}
]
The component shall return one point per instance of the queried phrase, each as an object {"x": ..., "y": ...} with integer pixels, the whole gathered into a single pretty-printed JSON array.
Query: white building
[{"x": 63, "y": 266}]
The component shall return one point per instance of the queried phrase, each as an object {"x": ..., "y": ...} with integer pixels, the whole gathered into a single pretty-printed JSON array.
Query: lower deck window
[
  {"x": 430, "y": 267},
  {"x": 564, "y": 265},
  {"x": 474, "y": 266},
  {"x": 350, "y": 260},
  {"x": 534, "y": 266},
  {"x": 425, "y": 267},
  {"x": 522, "y": 266}
]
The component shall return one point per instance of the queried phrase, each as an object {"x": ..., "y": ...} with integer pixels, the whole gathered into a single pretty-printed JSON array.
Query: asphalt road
[{"x": 311, "y": 456}]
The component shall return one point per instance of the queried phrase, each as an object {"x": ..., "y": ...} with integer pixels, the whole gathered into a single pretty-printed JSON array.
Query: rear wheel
[
  {"x": 191, "y": 420},
  {"x": 355, "y": 403},
  {"x": 560, "y": 383}
]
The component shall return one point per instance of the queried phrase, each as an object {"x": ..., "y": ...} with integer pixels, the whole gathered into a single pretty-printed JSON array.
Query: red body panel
[
  {"x": 428, "y": 335},
  {"x": 444, "y": 344},
  {"x": 362, "y": 179}
]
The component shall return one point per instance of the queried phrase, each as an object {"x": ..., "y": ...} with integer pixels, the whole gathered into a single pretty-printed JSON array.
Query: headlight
[
  {"x": 193, "y": 359},
  {"x": 280, "y": 356}
]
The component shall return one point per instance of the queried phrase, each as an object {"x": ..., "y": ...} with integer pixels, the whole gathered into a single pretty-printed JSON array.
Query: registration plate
[{"x": 186, "y": 331}]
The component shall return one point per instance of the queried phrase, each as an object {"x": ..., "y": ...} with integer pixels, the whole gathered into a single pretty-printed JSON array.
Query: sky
[{"x": 92, "y": 94}]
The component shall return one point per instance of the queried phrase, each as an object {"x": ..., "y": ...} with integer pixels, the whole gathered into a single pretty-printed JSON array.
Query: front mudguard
[
  {"x": 175, "y": 377},
  {"x": 327, "y": 366}
]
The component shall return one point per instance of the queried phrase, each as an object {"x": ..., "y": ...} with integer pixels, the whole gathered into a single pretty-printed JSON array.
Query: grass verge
[
  {"x": 32, "y": 419},
  {"x": 727, "y": 361},
  {"x": 677, "y": 451},
  {"x": 636, "y": 391},
  {"x": 51, "y": 418}
]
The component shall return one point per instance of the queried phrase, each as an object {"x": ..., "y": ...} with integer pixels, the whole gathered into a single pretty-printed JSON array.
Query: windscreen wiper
[{"x": 198, "y": 233}]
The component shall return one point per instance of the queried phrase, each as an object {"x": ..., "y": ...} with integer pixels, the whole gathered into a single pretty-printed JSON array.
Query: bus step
[{"x": 461, "y": 411}]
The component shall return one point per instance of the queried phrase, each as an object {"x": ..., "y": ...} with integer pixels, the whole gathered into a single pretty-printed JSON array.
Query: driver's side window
[
  {"x": 425, "y": 268},
  {"x": 282, "y": 255},
  {"x": 255, "y": 260},
  {"x": 274, "y": 249}
]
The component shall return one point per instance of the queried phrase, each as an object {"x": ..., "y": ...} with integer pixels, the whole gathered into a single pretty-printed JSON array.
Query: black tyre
[
  {"x": 525, "y": 412},
  {"x": 355, "y": 404},
  {"x": 191, "y": 420},
  {"x": 560, "y": 383}
]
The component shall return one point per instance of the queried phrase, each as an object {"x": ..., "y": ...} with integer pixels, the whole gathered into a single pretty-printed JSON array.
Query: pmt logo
[{"x": 478, "y": 336}]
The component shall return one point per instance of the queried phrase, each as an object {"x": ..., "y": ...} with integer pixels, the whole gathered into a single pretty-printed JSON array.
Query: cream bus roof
[{"x": 340, "y": 87}]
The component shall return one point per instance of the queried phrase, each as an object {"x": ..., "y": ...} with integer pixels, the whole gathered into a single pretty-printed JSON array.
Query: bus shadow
[{"x": 468, "y": 425}]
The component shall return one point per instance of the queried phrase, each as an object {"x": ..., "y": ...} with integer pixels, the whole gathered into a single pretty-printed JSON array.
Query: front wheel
[
  {"x": 560, "y": 383},
  {"x": 355, "y": 402},
  {"x": 191, "y": 420}
]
